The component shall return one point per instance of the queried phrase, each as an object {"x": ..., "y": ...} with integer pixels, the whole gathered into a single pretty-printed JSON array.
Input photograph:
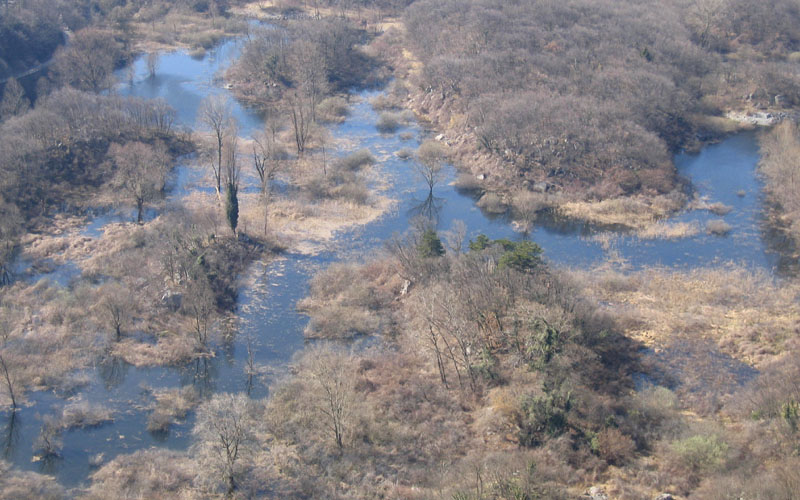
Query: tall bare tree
[
  {"x": 430, "y": 162},
  {"x": 333, "y": 375},
  {"x": 267, "y": 161},
  {"x": 223, "y": 432},
  {"x": 141, "y": 171},
  {"x": 5, "y": 365},
  {"x": 216, "y": 114}
]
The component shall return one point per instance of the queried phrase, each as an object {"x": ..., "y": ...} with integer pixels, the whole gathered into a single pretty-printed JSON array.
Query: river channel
[{"x": 724, "y": 172}]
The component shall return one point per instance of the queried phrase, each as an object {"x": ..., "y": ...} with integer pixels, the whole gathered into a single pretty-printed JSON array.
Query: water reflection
[
  {"x": 9, "y": 434},
  {"x": 112, "y": 371}
]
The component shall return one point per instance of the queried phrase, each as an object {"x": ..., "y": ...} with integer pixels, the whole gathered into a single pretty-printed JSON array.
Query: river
[{"x": 723, "y": 172}]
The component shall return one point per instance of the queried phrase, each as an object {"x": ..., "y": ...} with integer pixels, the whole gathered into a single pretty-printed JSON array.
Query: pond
[{"x": 266, "y": 313}]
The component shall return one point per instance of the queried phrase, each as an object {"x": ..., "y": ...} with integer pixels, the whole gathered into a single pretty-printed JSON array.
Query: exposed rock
[
  {"x": 596, "y": 493},
  {"x": 760, "y": 118},
  {"x": 440, "y": 137},
  {"x": 480, "y": 177},
  {"x": 665, "y": 496},
  {"x": 172, "y": 300}
]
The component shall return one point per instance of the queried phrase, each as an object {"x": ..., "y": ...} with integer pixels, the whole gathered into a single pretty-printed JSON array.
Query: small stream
[{"x": 269, "y": 291}]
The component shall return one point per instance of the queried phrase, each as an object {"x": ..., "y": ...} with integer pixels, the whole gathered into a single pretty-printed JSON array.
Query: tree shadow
[{"x": 430, "y": 208}]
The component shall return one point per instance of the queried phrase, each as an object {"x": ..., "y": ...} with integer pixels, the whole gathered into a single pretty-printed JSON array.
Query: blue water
[{"x": 266, "y": 312}]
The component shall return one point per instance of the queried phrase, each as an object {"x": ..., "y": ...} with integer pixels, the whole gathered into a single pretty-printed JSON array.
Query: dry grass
[
  {"x": 634, "y": 212},
  {"x": 308, "y": 227},
  {"x": 171, "y": 405},
  {"x": 145, "y": 474},
  {"x": 668, "y": 231},
  {"x": 168, "y": 350},
  {"x": 182, "y": 28},
  {"x": 18, "y": 485},
  {"x": 750, "y": 316},
  {"x": 83, "y": 414},
  {"x": 348, "y": 300}
]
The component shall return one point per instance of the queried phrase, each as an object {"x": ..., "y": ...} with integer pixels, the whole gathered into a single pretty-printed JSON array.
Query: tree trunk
[
  {"x": 139, "y": 206},
  {"x": 8, "y": 383}
]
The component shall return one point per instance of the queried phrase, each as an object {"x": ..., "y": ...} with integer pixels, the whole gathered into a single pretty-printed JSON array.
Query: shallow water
[{"x": 266, "y": 305}]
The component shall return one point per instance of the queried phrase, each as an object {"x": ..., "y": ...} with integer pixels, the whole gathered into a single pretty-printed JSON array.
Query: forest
[{"x": 459, "y": 249}]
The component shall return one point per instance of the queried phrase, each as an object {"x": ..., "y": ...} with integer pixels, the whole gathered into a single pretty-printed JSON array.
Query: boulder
[
  {"x": 172, "y": 300},
  {"x": 597, "y": 493}
]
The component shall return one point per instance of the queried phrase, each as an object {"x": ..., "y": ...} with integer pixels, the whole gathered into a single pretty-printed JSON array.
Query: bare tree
[
  {"x": 14, "y": 101},
  {"x": 200, "y": 304},
  {"x": 216, "y": 114},
  {"x": 152, "y": 63},
  {"x": 430, "y": 162},
  {"x": 10, "y": 226},
  {"x": 223, "y": 434},
  {"x": 267, "y": 161},
  {"x": 309, "y": 72},
  {"x": 333, "y": 375},
  {"x": 117, "y": 305},
  {"x": 300, "y": 108},
  {"x": 141, "y": 171},
  {"x": 5, "y": 334},
  {"x": 87, "y": 62}
]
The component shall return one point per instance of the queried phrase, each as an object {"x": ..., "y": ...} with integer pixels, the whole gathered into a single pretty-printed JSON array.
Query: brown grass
[
  {"x": 747, "y": 313},
  {"x": 635, "y": 212},
  {"x": 171, "y": 405}
]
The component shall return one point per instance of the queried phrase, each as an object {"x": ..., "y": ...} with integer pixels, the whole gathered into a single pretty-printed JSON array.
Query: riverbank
[{"x": 637, "y": 197}]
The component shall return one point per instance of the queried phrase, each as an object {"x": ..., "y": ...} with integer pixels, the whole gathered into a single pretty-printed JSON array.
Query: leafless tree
[
  {"x": 117, "y": 305},
  {"x": 199, "y": 303},
  {"x": 14, "y": 101},
  {"x": 430, "y": 162},
  {"x": 87, "y": 63},
  {"x": 152, "y": 63},
  {"x": 223, "y": 435},
  {"x": 332, "y": 372},
  {"x": 216, "y": 114},
  {"x": 141, "y": 172},
  {"x": 267, "y": 161},
  {"x": 7, "y": 377},
  {"x": 300, "y": 109}
]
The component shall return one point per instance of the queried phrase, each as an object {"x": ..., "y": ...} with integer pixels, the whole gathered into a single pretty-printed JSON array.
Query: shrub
[
  {"x": 719, "y": 208},
  {"x": 333, "y": 109},
  {"x": 613, "y": 446},
  {"x": 544, "y": 416},
  {"x": 492, "y": 203},
  {"x": 718, "y": 227},
  {"x": 404, "y": 154},
  {"x": 388, "y": 122},
  {"x": 701, "y": 453},
  {"x": 356, "y": 161}
]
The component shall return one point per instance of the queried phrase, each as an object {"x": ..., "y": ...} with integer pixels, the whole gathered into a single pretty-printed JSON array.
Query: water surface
[{"x": 266, "y": 313}]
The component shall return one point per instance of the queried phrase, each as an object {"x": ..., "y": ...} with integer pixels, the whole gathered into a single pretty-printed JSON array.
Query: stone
[
  {"x": 597, "y": 493},
  {"x": 440, "y": 137},
  {"x": 665, "y": 496},
  {"x": 172, "y": 300},
  {"x": 480, "y": 177},
  {"x": 540, "y": 187}
]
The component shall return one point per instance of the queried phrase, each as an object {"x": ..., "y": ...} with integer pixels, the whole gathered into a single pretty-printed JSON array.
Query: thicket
[
  {"x": 779, "y": 165},
  {"x": 595, "y": 96}
]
